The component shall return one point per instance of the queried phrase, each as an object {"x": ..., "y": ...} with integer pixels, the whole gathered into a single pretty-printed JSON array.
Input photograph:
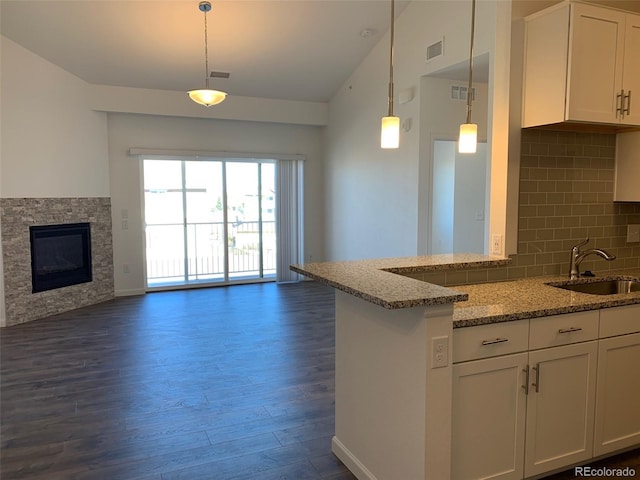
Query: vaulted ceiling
[{"x": 285, "y": 49}]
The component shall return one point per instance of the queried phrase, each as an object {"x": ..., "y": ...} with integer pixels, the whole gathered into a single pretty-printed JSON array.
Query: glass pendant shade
[
  {"x": 207, "y": 97},
  {"x": 390, "y": 134},
  {"x": 468, "y": 138}
]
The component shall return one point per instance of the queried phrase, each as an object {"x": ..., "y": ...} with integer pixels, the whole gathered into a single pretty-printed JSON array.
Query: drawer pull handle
[
  {"x": 493, "y": 342},
  {"x": 620, "y": 97},
  {"x": 570, "y": 330},
  {"x": 628, "y": 109}
]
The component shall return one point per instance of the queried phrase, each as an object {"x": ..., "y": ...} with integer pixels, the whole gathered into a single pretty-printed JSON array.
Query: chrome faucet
[{"x": 577, "y": 256}]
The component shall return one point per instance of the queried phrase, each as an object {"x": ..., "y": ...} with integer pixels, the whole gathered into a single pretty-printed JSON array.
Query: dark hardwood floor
[
  {"x": 219, "y": 383},
  {"x": 209, "y": 384}
]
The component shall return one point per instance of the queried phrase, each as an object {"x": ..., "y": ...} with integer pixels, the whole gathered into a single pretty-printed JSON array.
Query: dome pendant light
[
  {"x": 468, "y": 139},
  {"x": 206, "y": 96},
  {"x": 390, "y": 132}
]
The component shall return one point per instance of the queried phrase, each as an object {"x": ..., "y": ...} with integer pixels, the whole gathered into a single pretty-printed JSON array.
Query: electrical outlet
[
  {"x": 125, "y": 268},
  {"x": 633, "y": 233},
  {"x": 440, "y": 352},
  {"x": 496, "y": 244}
]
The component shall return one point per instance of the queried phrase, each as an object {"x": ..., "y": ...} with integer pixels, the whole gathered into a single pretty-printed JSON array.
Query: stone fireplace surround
[{"x": 17, "y": 215}]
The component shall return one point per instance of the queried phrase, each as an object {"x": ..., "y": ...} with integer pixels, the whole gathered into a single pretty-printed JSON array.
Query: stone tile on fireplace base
[{"x": 17, "y": 215}]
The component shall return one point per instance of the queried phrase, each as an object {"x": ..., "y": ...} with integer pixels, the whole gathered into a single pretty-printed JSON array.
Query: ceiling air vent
[
  {"x": 459, "y": 92},
  {"x": 435, "y": 50}
]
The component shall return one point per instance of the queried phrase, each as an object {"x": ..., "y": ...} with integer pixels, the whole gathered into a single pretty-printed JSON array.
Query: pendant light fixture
[
  {"x": 206, "y": 96},
  {"x": 390, "y": 133},
  {"x": 469, "y": 131}
]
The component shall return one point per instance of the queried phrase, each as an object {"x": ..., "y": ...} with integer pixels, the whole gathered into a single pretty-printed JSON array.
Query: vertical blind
[{"x": 289, "y": 218}]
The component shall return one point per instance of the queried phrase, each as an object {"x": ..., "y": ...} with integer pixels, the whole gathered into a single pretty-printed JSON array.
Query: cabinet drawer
[
  {"x": 563, "y": 329},
  {"x": 484, "y": 341},
  {"x": 619, "y": 321}
]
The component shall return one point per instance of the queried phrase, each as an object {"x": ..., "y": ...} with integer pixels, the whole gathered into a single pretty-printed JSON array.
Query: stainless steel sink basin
[{"x": 602, "y": 287}]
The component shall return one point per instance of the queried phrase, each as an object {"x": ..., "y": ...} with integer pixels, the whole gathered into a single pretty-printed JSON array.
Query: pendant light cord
[
  {"x": 469, "y": 90},
  {"x": 206, "y": 49},
  {"x": 391, "y": 60}
]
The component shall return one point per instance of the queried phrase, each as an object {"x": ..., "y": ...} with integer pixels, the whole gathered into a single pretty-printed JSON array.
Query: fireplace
[{"x": 60, "y": 255}]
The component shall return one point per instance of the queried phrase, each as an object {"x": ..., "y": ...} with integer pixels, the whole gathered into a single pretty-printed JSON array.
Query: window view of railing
[
  {"x": 209, "y": 221},
  {"x": 206, "y": 247}
]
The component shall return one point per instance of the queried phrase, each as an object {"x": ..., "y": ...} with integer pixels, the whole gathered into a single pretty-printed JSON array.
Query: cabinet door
[
  {"x": 560, "y": 407},
  {"x": 631, "y": 73},
  {"x": 596, "y": 56},
  {"x": 618, "y": 396},
  {"x": 628, "y": 165},
  {"x": 488, "y": 418}
]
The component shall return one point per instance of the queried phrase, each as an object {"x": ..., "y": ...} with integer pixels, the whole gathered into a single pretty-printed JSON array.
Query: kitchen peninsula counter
[{"x": 383, "y": 281}]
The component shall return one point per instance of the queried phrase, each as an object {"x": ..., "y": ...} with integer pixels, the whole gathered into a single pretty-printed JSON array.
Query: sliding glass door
[{"x": 209, "y": 221}]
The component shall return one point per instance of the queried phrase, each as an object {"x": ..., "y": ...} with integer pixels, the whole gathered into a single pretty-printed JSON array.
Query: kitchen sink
[{"x": 602, "y": 287}]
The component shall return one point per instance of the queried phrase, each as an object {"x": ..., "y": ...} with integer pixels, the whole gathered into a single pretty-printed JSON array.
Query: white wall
[
  {"x": 375, "y": 199},
  {"x": 171, "y": 133},
  {"x": 52, "y": 144}
]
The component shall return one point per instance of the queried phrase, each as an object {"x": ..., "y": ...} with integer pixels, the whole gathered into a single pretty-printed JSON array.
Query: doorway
[{"x": 459, "y": 199}]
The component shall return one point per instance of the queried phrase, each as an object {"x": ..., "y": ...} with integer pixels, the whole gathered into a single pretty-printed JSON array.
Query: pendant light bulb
[
  {"x": 468, "y": 139},
  {"x": 206, "y": 96},
  {"x": 390, "y": 132}
]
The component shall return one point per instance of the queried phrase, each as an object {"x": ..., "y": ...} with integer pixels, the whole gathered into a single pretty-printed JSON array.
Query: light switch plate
[{"x": 633, "y": 233}]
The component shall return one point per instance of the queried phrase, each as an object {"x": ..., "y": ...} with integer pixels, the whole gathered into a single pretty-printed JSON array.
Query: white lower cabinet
[
  {"x": 488, "y": 418},
  {"x": 521, "y": 414},
  {"x": 618, "y": 396},
  {"x": 560, "y": 407}
]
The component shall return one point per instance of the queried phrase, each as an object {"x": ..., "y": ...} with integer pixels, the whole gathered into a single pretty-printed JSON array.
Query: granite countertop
[
  {"x": 532, "y": 297},
  {"x": 380, "y": 281}
]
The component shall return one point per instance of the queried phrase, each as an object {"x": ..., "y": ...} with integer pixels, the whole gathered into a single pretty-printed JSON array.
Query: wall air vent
[
  {"x": 435, "y": 50},
  {"x": 459, "y": 92}
]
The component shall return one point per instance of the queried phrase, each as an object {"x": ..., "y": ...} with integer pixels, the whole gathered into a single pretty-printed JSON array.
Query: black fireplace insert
[{"x": 60, "y": 255}]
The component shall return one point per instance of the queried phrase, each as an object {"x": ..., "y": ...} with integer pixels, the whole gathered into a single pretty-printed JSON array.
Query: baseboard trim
[
  {"x": 130, "y": 293},
  {"x": 351, "y": 462}
]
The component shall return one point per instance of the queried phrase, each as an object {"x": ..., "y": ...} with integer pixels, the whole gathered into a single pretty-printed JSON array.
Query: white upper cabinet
[
  {"x": 631, "y": 71},
  {"x": 627, "y": 184},
  {"x": 582, "y": 65}
]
